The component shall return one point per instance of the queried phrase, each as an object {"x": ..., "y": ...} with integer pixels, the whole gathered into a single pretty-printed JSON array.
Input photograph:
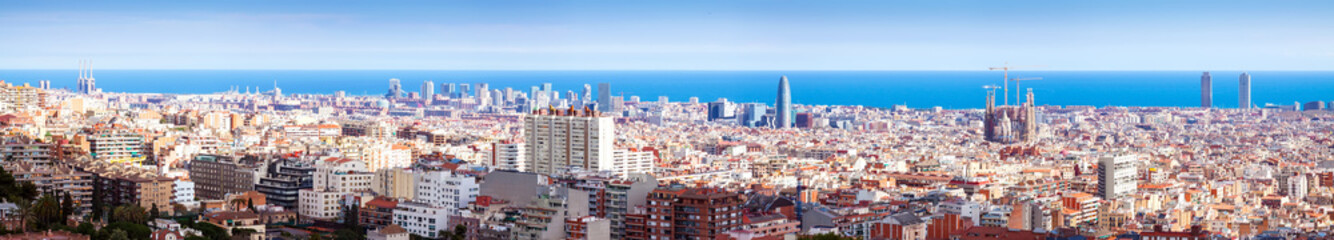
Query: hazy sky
[{"x": 693, "y": 35}]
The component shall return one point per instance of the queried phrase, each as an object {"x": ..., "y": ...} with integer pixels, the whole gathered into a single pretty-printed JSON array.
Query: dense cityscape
[{"x": 465, "y": 161}]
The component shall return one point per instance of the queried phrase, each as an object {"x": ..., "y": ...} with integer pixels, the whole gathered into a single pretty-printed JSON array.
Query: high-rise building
[
  {"x": 216, "y": 176},
  {"x": 1010, "y": 124},
  {"x": 1244, "y": 91},
  {"x": 464, "y": 90},
  {"x": 448, "y": 89},
  {"x": 428, "y": 91},
  {"x": 395, "y": 89},
  {"x": 721, "y": 109},
  {"x": 557, "y": 141},
  {"x": 1206, "y": 91},
  {"x": 546, "y": 87},
  {"x": 783, "y": 105},
  {"x": 447, "y": 189},
  {"x": 604, "y": 97},
  {"x": 753, "y": 115},
  {"x": 1314, "y": 106},
  {"x": 1117, "y": 176},
  {"x": 588, "y": 94}
]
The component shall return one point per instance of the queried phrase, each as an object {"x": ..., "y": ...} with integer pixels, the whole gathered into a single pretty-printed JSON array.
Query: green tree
[
  {"x": 67, "y": 205},
  {"x": 118, "y": 234},
  {"x": 46, "y": 213},
  {"x": 348, "y": 234},
  {"x": 211, "y": 231},
  {"x": 85, "y": 228},
  {"x": 315, "y": 236},
  {"x": 129, "y": 213},
  {"x": 154, "y": 213}
]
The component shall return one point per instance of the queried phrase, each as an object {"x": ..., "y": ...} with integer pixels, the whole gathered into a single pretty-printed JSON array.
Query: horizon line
[{"x": 682, "y": 70}]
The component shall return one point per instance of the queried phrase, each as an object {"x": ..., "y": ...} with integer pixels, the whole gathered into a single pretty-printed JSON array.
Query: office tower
[
  {"x": 546, "y": 87},
  {"x": 753, "y": 115},
  {"x": 498, "y": 97},
  {"x": 1244, "y": 91},
  {"x": 395, "y": 89},
  {"x": 572, "y": 97},
  {"x": 1010, "y": 124},
  {"x": 588, "y": 94},
  {"x": 86, "y": 83},
  {"x": 804, "y": 120},
  {"x": 1314, "y": 106},
  {"x": 557, "y": 141},
  {"x": 428, "y": 91},
  {"x": 1206, "y": 91},
  {"x": 783, "y": 105},
  {"x": 721, "y": 109},
  {"x": 216, "y": 176},
  {"x": 604, "y": 97},
  {"x": 464, "y": 90},
  {"x": 1117, "y": 177},
  {"x": 448, "y": 89}
]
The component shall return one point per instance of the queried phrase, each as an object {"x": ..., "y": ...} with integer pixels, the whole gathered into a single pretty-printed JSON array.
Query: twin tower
[{"x": 1243, "y": 91}]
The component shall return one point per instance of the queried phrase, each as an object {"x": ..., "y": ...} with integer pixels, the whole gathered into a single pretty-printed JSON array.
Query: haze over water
[{"x": 918, "y": 89}]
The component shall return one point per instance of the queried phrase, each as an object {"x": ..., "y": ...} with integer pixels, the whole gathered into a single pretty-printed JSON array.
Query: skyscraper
[
  {"x": 1244, "y": 92},
  {"x": 546, "y": 87},
  {"x": 783, "y": 105},
  {"x": 588, "y": 94},
  {"x": 428, "y": 91},
  {"x": 1206, "y": 91},
  {"x": 604, "y": 97},
  {"x": 447, "y": 89},
  {"x": 395, "y": 89}
]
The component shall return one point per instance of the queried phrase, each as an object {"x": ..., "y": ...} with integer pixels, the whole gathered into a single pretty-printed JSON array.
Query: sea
[{"x": 915, "y": 89}]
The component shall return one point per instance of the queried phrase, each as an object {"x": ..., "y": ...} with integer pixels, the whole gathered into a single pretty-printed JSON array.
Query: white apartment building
[
  {"x": 1117, "y": 176},
  {"x": 557, "y": 141},
  {"x": 183, "y": 192},
  {"x": 505, "y": 155},
  {"x": 333, "y": 177},
  {"x": 421, "y": 219},
  {"x": 386, "y": 155},
  {"x": 446, "y": 189},
  {"x": 629, "y": 161}
]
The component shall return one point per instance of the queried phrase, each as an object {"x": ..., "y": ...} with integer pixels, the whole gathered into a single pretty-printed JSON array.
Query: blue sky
[{"x": 668, "y": 35}]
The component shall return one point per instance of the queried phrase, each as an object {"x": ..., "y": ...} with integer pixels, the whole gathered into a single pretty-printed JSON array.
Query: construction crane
[
  {"x": 1018, "y": 96},
  {"x": 1006, "y": 88}
]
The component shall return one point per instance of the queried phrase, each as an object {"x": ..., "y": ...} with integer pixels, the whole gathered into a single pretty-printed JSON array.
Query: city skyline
[{"x": 1138, "y": 35}]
